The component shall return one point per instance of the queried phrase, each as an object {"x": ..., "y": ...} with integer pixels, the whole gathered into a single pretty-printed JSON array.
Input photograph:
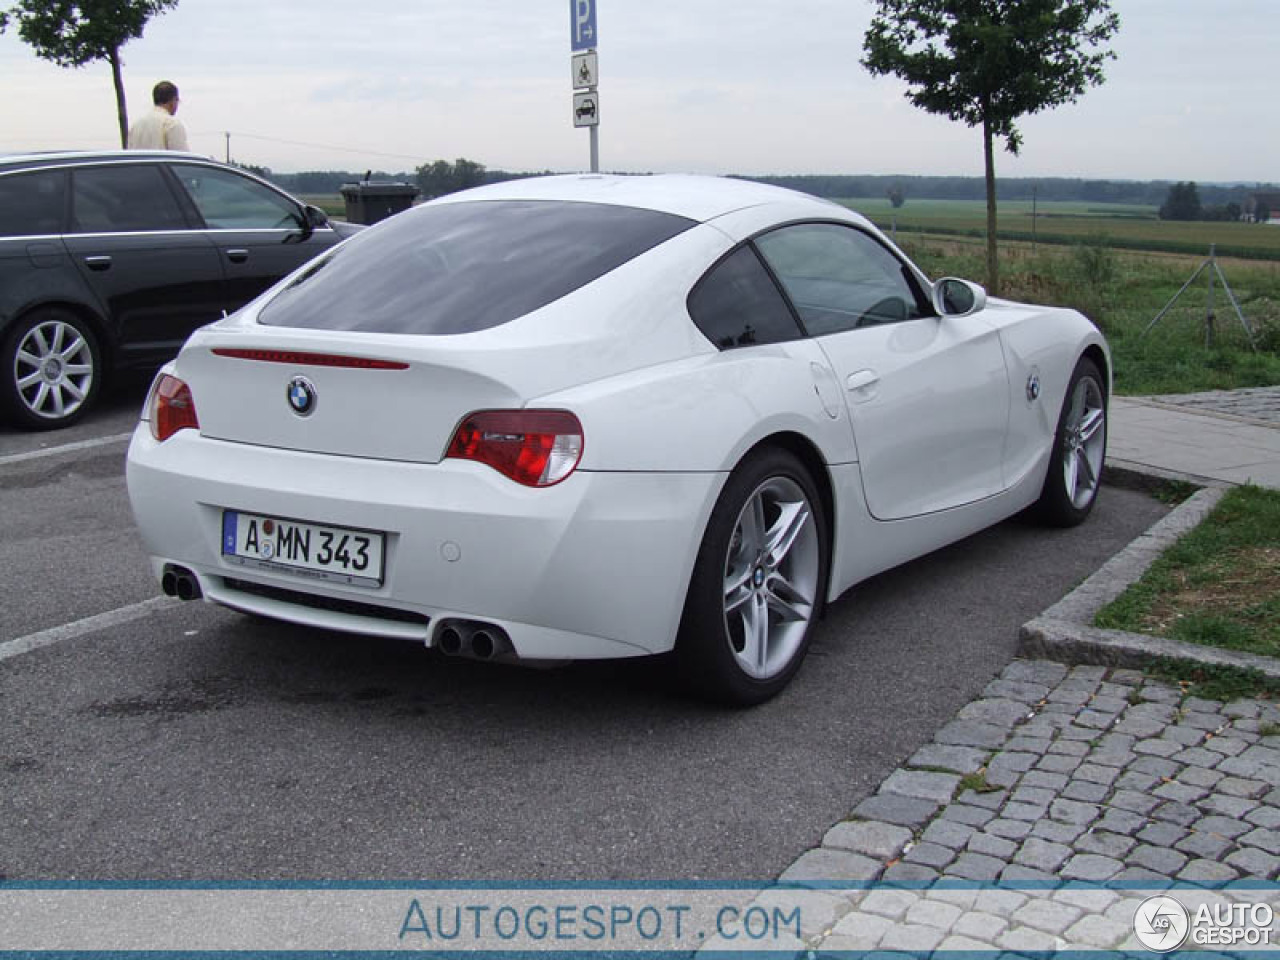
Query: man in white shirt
[{"x": 160, "y": 129}]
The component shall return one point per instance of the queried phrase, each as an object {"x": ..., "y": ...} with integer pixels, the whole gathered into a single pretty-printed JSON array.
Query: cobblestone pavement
[
  {"x": 1055, "y": 774},
  {"x": 1253, "y": 403}
]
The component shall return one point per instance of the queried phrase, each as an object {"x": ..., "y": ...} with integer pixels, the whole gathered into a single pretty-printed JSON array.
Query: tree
[
  {"x": 1261, "y": 212},
  {"x": 75, "y": 33},
  {"x": 1182, "y": 203},
  {"x": 897, "y": 197},
  {"x": 989, "y": 63},
  {"x": 263, "y": 172},
  {"x": 441, "y": 177}
]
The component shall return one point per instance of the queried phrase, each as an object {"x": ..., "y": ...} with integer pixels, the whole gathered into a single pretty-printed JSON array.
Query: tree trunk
[
  {"x": 993, "y": 264},
  {"x": 122, "y": 111}
]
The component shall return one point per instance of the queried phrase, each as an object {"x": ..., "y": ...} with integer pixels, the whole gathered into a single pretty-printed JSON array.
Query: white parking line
[
  {"x": 66, "y": 448},
  {"x": 69, "y": 631}
]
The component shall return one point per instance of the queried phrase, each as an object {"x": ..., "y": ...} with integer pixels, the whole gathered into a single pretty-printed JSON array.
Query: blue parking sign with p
[{"x": 582, "y": 24}]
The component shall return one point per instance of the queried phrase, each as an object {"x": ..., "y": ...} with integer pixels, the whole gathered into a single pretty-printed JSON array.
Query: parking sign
[{"x": 582, "y": 25}]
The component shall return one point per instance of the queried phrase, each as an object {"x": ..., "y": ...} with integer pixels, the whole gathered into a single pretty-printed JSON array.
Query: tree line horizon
[{"x": 440, "y": 177}]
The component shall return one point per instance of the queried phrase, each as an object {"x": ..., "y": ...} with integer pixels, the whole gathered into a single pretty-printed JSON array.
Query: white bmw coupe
[{"x": 599, "y": 416}]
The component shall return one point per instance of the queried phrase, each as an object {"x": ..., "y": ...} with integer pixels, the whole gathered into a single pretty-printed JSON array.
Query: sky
[{"x": 702, "y": 86}]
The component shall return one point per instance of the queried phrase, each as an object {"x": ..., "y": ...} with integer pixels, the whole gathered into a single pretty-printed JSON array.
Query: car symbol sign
[{"x": 302, "y": 396}]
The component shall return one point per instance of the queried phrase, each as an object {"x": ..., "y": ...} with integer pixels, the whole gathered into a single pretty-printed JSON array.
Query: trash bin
[{"x": 370, "y": 200}]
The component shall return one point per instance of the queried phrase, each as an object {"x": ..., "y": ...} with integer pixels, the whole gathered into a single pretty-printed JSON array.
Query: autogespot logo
[{"x": 1161, "y": 924}]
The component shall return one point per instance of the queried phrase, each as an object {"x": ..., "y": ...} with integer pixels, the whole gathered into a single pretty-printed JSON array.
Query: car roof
[
  {"x": 64, "y": 157},
  {"x": 691, "y": 196}
]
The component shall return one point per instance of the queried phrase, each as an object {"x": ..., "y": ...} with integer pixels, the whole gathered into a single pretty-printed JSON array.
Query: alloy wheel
[
  {"x": 53, "y": 369},
  {"x": 771, "y": 577},
  {"x": 1084, "y": 442}
]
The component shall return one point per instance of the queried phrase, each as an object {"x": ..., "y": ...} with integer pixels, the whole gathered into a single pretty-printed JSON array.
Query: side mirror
[
  {"x": 953, "y": 297},
  {"x": 309, "y": 220},
  {"x": 316, "y": 218}
]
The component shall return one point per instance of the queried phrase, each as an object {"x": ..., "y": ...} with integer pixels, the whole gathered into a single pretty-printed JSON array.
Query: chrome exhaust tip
[
  {"x": 473, "y": 639},
  {"x": 181, "y": 583},
  {"x": 449, "y": 640}
]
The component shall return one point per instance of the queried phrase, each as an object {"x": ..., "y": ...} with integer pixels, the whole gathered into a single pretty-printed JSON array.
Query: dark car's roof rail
[{"x": 52, "y": 156}]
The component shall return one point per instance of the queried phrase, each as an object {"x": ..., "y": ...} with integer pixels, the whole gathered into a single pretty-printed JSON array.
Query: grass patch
[
  {"x": 1173, "y": 492},
  {"x": 1215, "y": 682},
  {"x": 1122, "y": 291},
  {"x": 977, "y": 782},
  {"x": 1218, "y": 586}
]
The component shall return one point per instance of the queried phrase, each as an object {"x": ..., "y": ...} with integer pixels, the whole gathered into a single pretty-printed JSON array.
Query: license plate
[{"x": 311, "y": 550}]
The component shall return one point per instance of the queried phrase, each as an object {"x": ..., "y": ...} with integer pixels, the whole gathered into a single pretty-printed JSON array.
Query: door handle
[
  {"x": 98, "y": 263},
  {"x": 237, "y": 255},
  {"x": 862, "y": 380}
]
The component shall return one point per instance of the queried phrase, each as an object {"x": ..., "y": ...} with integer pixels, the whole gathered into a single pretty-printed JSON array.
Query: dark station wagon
[{"x": 109, "y": 260}]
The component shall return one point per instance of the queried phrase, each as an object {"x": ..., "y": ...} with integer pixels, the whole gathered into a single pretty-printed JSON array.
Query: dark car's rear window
[{"x": 457, "y": 268}]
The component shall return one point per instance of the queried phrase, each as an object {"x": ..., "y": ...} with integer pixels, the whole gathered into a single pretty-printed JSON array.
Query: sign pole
[{"x": 583, "y": 39}]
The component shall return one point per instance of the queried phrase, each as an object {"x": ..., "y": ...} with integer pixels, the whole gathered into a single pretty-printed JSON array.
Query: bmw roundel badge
[{"x": 302, "y": 396}]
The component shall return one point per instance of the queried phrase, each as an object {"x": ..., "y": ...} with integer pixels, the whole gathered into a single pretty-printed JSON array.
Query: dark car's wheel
[
  {"x": 757, "y": 583},
  {"x": 1079, "y": 448},
  {"x": 51, "y": 369}
]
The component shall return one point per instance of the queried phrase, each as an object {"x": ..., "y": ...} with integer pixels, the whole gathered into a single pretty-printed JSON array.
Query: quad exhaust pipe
[
  {"x": 180, "y": 582},
  {"x": 473, "y": 639}
]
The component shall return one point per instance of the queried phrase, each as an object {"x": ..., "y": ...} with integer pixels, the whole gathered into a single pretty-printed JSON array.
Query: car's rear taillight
[
  {"x": 537, "y": 448},
  {"x": 171, "y": 408}
]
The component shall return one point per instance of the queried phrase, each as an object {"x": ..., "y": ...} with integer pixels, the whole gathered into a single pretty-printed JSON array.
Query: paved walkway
[
  {"x": 1083, "y": 774},
  {"x": 1223, "y": 436},
  {"x": 1058, "y": 773}
]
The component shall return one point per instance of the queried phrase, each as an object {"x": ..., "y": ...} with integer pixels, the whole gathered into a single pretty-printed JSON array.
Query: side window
[
  {"x": 32, "y": 203},
  {"x": 130, "y": 197},
  {"x": 228, "y": 201},
  {"x": 839, "y": 278},
  {"x": 737, "y": 304}
]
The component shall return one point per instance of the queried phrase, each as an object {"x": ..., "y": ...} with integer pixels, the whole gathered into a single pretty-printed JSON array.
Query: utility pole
[
  {"x": 1033, "y": 219},
  {"x": 228, "y": 136}
]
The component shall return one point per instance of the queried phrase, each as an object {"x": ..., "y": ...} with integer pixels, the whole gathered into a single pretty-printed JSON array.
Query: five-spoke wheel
[
  {"x": 1080, "y": 447},
  {"x": 771, "y": 577},
  {"x": 758, "y": 583}
]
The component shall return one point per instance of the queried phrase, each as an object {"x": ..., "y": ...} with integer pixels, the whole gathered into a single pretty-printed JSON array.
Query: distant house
[{"x": 1268, "y": 200}]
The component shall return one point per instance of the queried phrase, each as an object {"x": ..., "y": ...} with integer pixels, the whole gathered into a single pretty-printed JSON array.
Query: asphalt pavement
[
  {"x": 184, "y": 741},
  {"x": 150, "y": 739}
]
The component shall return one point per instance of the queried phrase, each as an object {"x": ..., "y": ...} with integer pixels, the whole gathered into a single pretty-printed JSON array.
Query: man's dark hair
[{"x": 163, "y": 92}]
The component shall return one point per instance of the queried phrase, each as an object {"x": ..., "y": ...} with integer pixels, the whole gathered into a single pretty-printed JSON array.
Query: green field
[
  {"x": 330, "y": 203},
  {"x": 1123, "y": 226},
  {"x": 1122, "y": 291}
]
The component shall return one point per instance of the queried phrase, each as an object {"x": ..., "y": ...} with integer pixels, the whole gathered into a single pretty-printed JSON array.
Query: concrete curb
[
  {"x": 1077, "y": 644},
  {"x": 1065, "y": 631}
]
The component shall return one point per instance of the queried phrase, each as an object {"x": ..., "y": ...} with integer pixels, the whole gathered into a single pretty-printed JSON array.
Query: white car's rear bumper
[{"x": 595, "y": 567}]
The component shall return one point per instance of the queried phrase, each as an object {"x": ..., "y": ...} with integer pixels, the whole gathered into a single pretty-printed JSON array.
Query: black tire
[
  {"x": 50, "y": 369},
  {"x": 715, "y": 653},
  {"x": 1063, "y": 503}
]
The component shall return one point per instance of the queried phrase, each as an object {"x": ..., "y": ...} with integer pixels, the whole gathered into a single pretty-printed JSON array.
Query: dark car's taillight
[
  {"x": 537, "y": 448},
  {"x": 171, "y": 408}
]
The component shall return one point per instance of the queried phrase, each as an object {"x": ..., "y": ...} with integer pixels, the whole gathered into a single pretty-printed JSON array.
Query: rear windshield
[{"x": 461, "y": 267}]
